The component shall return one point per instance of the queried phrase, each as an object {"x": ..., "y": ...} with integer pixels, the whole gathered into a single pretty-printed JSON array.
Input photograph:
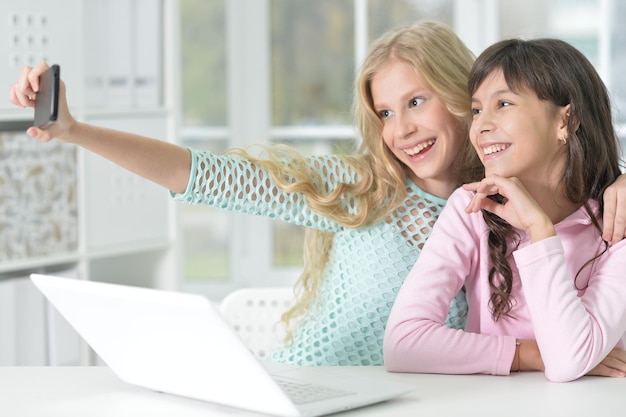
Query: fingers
[
  {"x": 485, "y": 204},
  {"x": 608, "y": 216},
  {"x": 24, "y": 86},
  {"x": 619, "y": 230},
  {"x": 609, "y": 367},
  {"x": 483, "y": 190},
  {"x": 614, "y": 217},
  {"x": 39, "y": 134},
  {"x": 33, "y": 76},
  {"x": 614, "y": 365},
  {"x": 13, "y": 96},
  {"x": 24, "y": 91},
  {"x": 478, "y": 202},
  {"x": 472, "y": 186},
  {"x": 620, "y": 355},
  {"x": 22, "y": 97},
  {"x": 603, "y": 370}
]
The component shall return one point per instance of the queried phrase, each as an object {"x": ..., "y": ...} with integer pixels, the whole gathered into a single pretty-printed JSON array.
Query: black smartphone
[{"x": 47, "y": 100}]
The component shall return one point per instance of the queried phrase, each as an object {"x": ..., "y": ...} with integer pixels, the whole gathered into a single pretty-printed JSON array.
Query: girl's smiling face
[
  {"x": 417, "y": 127},
  {"x": 516, "y": 134}
]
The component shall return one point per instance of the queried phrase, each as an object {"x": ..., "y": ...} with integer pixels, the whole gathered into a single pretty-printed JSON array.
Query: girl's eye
[
  {"x": 476, "y": 111},
  {"x": 504, "y": 103},
  {"x": 383, "y": 114},
  {"x": 416, "y": 101}
]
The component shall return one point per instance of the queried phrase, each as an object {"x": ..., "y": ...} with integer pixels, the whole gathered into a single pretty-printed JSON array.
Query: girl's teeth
[
  {"x": 494, "y": 148},
  {"x": 419, "y": 148}
]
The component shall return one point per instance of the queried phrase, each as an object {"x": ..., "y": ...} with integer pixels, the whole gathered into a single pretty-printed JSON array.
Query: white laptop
[{"x": 178, "y": 343}]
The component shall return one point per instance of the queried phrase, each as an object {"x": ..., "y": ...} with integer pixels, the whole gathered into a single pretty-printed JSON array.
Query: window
[{"x": 205, "y": 230}]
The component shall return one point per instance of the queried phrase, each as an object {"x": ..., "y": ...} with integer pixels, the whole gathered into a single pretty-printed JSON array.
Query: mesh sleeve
[{"x": 233, "y": 183}]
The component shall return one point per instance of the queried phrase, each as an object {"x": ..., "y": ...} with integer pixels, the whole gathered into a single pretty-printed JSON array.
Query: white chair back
[{"x": 254, "y": 313}]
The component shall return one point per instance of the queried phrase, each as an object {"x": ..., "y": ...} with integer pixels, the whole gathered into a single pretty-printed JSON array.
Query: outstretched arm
[{"x": 161, "y": 162}]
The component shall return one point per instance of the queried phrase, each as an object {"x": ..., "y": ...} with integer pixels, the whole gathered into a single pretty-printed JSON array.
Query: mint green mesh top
[{"x": 366, "y": 266}]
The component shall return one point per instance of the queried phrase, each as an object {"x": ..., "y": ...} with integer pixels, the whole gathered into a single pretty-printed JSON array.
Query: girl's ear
[{"x": 564, "y": 118}]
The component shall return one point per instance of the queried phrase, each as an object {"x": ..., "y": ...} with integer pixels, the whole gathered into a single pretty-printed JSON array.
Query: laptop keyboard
[{"x": 303, "y": 392}]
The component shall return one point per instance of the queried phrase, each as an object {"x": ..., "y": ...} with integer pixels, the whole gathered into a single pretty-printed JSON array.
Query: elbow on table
[
  {"x": 398, "y": 353},
  {"x": 567, "y": 364},
  {"x": 562, "y": 373},
  {"x": 389, "y": 354},
  {"x": 407, "y": 346},
  {"x": 392, "y": 361}
]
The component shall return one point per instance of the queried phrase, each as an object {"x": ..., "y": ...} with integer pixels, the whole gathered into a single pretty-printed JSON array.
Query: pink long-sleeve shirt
[{"x": 575, "y": 328}]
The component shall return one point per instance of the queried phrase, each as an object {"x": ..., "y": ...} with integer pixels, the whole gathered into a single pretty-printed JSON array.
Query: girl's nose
[
  {"x": 404, "y": 126},
  {"x": 482, "y": 123}
]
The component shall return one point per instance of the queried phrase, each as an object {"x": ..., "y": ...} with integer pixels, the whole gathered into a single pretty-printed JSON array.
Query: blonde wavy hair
[{"x": 442, "y": 60}]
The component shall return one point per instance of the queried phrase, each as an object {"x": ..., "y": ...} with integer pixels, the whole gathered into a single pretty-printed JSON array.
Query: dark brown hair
[{"x": 559, "y": 73}]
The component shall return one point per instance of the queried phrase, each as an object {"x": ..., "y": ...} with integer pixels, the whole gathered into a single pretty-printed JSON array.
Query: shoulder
[
  {"x": 454, "y": 215},
  {"x": 460, "y": 198}
]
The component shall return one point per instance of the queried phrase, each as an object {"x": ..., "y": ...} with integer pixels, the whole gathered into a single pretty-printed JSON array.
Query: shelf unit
[{"x": 125, "y": 227}]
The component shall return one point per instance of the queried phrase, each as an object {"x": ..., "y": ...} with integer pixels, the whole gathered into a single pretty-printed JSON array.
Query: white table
[{"x": 96, "y": 391}]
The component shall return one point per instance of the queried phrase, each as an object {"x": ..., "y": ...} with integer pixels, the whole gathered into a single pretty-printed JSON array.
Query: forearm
[
  {"x": 527, "y": 356},
  {"x": 164, "y": 163},
  {"x": 574, "y": 333}
]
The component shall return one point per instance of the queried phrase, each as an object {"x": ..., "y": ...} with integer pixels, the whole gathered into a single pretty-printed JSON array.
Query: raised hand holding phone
[
  {"x": 47, "y": 100},
  {"x": 40, "y": 87}
]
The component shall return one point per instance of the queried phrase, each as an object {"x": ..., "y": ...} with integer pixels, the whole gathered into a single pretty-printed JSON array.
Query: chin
[{"x": 492, "y": 171}]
